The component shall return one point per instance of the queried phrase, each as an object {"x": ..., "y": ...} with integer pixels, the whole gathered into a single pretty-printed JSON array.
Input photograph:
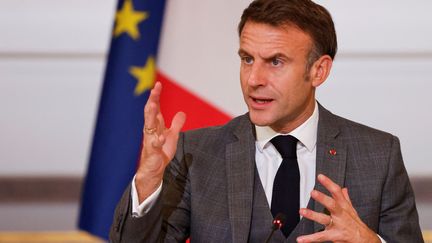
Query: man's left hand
[{"x": 343, "y": 224}]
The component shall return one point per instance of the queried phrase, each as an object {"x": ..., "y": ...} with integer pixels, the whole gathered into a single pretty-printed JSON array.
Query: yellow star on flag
[
  {"x": 127, "y": 20},
  {"x": 145, "y": 76}
]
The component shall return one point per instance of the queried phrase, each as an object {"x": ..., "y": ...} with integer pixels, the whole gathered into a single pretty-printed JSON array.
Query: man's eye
[
  {"x": 247, "y": 60},
  {"x": 276, "y": 62}
]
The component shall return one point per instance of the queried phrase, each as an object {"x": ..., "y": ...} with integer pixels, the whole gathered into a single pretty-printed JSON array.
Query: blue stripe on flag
[{"x": 118, "y": 132}]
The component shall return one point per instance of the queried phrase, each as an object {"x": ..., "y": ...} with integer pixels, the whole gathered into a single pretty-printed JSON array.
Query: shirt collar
[{"x": 306, "y": 133}]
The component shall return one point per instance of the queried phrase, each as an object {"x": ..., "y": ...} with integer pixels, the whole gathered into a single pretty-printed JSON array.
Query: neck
[{"x": 290, "y": 125}]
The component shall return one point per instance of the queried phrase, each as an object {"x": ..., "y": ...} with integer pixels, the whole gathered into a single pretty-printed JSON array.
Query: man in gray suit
[{"x": 221, "y": 184}]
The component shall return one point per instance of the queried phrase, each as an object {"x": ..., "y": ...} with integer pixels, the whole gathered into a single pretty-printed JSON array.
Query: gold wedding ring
[{"x": 149, "y": 131}]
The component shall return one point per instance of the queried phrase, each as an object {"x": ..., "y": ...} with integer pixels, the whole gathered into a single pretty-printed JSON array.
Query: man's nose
[{"x": 257, "y": 76}]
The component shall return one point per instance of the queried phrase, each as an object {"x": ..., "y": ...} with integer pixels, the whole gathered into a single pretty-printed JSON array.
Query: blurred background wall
[{"x": 52, "y": 59}]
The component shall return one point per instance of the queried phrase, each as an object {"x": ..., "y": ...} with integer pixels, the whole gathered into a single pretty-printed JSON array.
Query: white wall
[{"x": 52, "y": 57}]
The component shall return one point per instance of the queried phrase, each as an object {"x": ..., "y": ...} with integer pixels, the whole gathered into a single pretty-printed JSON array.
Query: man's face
[{"x": 273, "y": 75}]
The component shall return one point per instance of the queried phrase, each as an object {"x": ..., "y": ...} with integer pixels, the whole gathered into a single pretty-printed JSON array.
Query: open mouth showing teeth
[{"x": 262, "y": 101}]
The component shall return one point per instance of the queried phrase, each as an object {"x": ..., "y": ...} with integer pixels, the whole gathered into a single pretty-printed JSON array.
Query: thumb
[{"x": 178, "y": 122}]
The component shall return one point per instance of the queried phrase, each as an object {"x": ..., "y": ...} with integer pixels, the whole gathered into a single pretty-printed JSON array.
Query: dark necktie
[{"x": 286, "y": 186}]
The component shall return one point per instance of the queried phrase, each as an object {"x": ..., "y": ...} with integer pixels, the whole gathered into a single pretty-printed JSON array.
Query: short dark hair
[{"x": 310, "y": 17}]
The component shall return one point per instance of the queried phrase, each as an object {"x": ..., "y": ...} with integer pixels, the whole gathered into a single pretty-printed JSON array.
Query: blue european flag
[{"x": 130, "y": 74}]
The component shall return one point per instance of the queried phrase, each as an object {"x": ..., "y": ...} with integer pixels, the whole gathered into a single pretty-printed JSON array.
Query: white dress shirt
[{"x": 268, "y": 158}]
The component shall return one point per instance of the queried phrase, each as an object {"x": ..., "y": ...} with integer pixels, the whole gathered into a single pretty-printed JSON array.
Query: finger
[
  {"x": 320, "y": 218},
  {"x": 316, "y": 237},
  {"x": 151, "y": 109},
  {"x": 346, "y": 195},
  {"x": 155, "y": 93},
  {"x": 150, "y": 119},
  {"x": 158, "y": 86},
  {"x": 178, "y": 122},
  {"x": 161, "y": 122},
  {"x": 335, "y": 191},
  {"x": 353, "y": 211},
  {"x": 326, "y": 201}
]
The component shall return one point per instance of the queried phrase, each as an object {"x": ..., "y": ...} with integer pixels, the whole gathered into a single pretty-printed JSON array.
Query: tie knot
[{"x": 285, "y": 145}]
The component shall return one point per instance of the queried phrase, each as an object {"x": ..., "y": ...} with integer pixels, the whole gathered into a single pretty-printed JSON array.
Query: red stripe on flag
[{"x": 199, "y": 113}]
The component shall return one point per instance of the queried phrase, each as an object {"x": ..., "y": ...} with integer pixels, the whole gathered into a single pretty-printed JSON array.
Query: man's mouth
[{"x": 262, "y": 101}]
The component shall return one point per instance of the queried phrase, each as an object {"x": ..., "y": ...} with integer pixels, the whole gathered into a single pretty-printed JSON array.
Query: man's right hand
[{"x": 158, "y": 146}]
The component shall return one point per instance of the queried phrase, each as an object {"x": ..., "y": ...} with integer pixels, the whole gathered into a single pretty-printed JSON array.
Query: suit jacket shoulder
[
  {"x": 369, "y": 163},
  {"x": 205, "y": 137}
]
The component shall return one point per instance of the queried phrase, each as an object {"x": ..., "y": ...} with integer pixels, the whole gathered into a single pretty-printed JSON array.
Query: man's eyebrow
[
  {"x": 242, "y": 52},
  {"x": 276, "y": 55}
]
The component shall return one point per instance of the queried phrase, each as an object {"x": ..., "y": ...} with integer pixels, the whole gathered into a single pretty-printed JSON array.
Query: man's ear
[{"x": 320, "y": 70}]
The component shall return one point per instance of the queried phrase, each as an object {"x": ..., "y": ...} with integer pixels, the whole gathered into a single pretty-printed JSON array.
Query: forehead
[{"x": 264, "y": 38}]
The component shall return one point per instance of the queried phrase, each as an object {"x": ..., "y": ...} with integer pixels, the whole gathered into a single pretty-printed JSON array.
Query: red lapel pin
[{"x": 332, "y": 152}]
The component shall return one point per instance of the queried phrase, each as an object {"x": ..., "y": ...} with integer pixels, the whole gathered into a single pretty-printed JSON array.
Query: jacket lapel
[
  {"x": 240, "y": 165},
  {"x": 331, "y": 156}
]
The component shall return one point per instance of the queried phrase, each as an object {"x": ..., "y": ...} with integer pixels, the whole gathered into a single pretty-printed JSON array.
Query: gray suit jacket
[{"x": 208, "y": 187}]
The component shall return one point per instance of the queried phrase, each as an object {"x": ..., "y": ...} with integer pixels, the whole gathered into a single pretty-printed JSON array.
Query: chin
[{"x": 259, "y": 119}]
